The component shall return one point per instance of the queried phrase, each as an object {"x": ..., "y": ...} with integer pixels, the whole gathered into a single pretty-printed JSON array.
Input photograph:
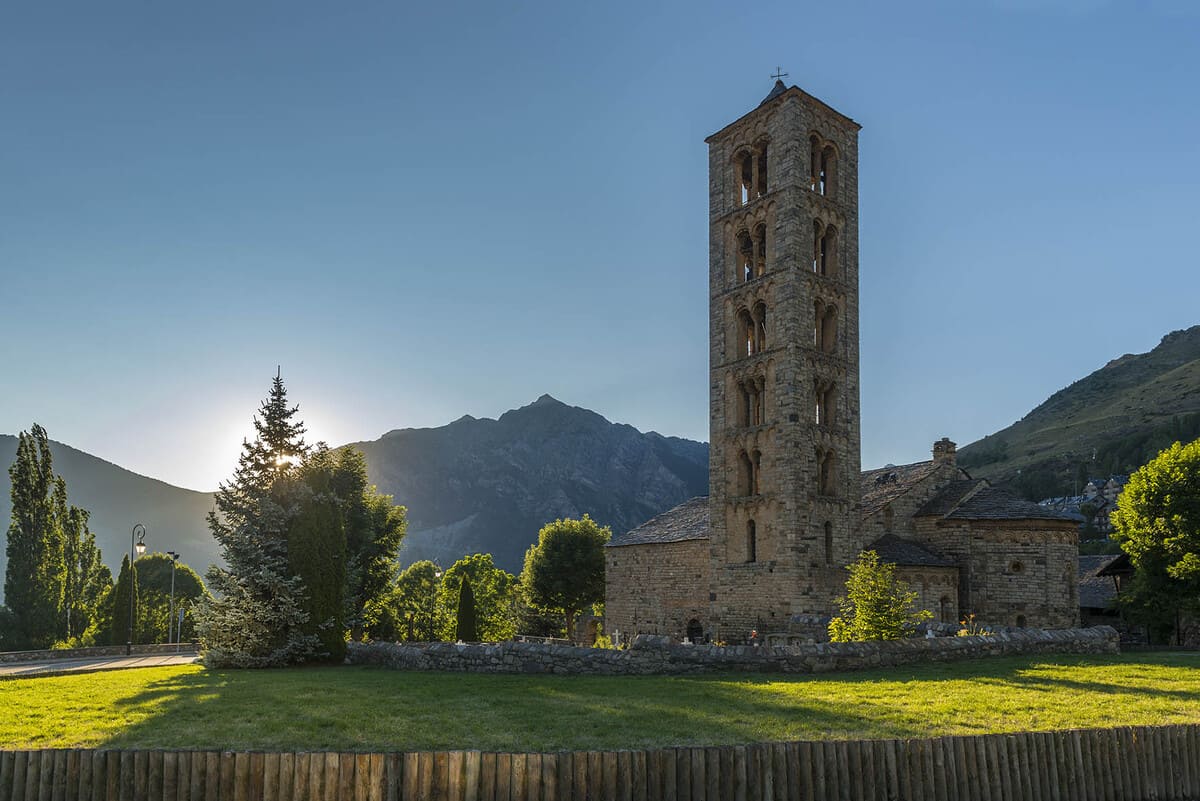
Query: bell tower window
[{"x": 751, "y": 542}]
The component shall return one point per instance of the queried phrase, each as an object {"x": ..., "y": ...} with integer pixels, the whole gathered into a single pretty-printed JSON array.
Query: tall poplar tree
[
  {"x": 120, "y": 606},
  {"x": 34, "y": 579},
  {"x": 85, "y": 578},
  {"x": 256, "y": 617}
]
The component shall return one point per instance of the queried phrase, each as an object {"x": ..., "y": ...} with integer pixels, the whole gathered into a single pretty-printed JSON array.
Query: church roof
[
  {"x": 779, "y": 89},
  {"x": 978, "y": 500},
  {"x": 884, "y": 485},
  {"x": 903, "y": 552},
  {"x": 687, "y": 521}
]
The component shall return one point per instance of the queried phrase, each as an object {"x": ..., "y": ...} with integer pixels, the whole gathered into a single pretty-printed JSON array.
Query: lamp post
[
  {"x": 171, "y": 620},
  {"x": 138, "y": 531},
  {"x": 437, "y": 576}
]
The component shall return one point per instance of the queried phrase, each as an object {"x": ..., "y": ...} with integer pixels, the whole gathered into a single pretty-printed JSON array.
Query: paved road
[{"x": 50, "y": 666}]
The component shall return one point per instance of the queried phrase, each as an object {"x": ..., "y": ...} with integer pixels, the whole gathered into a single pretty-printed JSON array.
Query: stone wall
[
  {"x": 652, "y": 656},
  {"x": 936, "y": 588},
  {"x": 656, "y": 588},
  {"x": 13, "y": 657},
  {"x": 1014, "y": 572}
]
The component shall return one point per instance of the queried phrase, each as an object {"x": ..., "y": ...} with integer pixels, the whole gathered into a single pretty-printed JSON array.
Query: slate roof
[
  {"x": 902, "y": 552},
  {"x": 884, "y": 485},
  {"x": 976, "y": 499},
  {"x": 778, "y": 89},
  {"x": 1096, "y": 591},
  {"x": 687, "y": 521}
]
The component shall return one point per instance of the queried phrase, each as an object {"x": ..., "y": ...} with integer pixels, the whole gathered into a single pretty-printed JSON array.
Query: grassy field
[{"x": 355, "y": 708}]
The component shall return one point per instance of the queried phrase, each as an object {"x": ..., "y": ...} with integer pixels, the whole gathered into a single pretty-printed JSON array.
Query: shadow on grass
[{"x": 364, "y": 708}]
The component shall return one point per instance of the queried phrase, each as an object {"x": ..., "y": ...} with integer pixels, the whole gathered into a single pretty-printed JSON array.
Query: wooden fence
[{"x": 1088, "y": 765}]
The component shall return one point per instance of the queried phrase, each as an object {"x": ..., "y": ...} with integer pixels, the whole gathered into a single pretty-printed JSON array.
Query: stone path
[{"x": 52, "y": 666}]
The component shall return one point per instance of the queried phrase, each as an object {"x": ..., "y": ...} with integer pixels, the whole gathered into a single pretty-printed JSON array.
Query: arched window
[
  {"x": 826, "y": 403},
  {"x": 746, "y": 477},
  {"x": 828, "y": 251},
  {"x": 889, "y": 519},
  {"x": 818, "y": 242},
  {"x": 760, "y": 250},
  {"x": 760, "y": 402},
  {"x": 747, "y": 403},
  {"x": 945, "y": 615},
  {"x": 751, "y": 542},
  {"x": 745, "y": 256},
  {"x": 828, "y": 544},
  {"x": 828, "y": 329},
  {"x": 1020, "y": 621},
  {"x": 762, "y": 169},
  {"x": 746, "y": 333},
  {"x": 828, "y": 174},
  {"x": 745, "y": 172},
  {"x": 760, "y": 328},
  {"x": 757, "y": 473},
  {"x": 695, "y": 632}
]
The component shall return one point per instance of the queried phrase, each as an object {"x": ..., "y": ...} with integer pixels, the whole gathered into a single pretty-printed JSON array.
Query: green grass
[{"x": 359, "y": 708}]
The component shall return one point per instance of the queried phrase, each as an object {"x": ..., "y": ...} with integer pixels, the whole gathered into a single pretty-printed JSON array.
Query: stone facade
[
  {"x": 656, "y": 657},
  {"x": 662, "y": 589},
  {"x": 784, "y": 396},
  {"x": 788, "y": 506}
]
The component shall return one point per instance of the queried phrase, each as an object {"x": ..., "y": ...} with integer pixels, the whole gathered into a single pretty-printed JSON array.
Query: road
[{"x": 52, "y": 666}]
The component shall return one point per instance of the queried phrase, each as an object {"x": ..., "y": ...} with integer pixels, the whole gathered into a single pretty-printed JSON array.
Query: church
[{"x": 789, "y": 506}]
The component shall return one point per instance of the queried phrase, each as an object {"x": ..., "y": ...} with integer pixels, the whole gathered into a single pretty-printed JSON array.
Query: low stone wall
[
  {"x": 655, "y": 658},
  {"x": 11, "y": 657}
]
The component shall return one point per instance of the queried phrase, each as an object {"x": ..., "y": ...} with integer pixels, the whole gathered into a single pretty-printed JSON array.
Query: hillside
[
  {"x": 1110, "y": 422},
  {"x": 489, "y": 485},
  {"x": 117, "y": 499}
]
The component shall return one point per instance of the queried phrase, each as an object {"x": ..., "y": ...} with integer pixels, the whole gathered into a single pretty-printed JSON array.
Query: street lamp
[
  {"x": 171, "y": 620},
  {"x": 138, "y": 531}
]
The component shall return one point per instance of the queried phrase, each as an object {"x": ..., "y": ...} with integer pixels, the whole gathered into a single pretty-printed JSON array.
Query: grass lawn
[{"x": 361, "y": 708}]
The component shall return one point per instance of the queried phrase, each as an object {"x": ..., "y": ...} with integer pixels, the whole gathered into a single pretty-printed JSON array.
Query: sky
[{"x": 421, "y": 211}]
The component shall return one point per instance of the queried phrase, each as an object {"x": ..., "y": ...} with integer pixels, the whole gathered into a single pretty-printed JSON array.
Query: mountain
[
  {"x": 1110, "y": 422},
  {"x": 472, "y": 485},
  {"x": 489, "y": 485},
  {"x": 117, "y": 499}
]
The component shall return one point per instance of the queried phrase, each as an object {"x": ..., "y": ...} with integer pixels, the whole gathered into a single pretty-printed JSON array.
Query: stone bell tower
[{"x": 784, "y": 391}]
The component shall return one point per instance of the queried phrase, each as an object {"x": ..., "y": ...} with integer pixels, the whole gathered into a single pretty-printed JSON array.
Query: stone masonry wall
[
  {"x": 656, "y": 588},
  {"x": 1014, "y": 573},
  {"x": 795, "y": 572},
  {"x": 535, "y": 658}
]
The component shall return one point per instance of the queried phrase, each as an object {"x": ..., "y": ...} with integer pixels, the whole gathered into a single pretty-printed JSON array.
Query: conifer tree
[
  {"x": 33, "y": 583},
  {"x": 119, "y": 604},
  {"x": 256, "y": 617},
  {"x": 467, "y": 629},
  {"x": 317, "y": 554}
]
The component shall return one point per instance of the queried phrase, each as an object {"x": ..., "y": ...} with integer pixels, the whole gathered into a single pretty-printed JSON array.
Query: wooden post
[
  {"x": 668, "y": 776},
  {"x": 441, "y": 775},
  {"x": 550, "y": 777},
  {"x": 455, "y": 789},
  {"x": 699, "y": 778},
  {"x": 516, "y": 781},
  {"x": 566, "y": 774},
  {"x": 624, "y": 776},
  {"x": 640, "y": 776}
]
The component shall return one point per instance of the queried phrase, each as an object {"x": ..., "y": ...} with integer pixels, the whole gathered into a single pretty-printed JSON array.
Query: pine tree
[
  {"x": 256, "y": 617},
  {"x": 34, "y": 579},
  {"x": 467, "y": 630},
  {"x": 119, "y": 604},
  {"x": 877, "y": 605}
]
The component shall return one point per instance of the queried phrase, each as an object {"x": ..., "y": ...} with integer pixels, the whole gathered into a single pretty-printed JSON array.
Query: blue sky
[{"x": 453, "y": 208}]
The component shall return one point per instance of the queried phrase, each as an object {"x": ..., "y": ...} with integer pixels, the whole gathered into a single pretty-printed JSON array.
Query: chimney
[{"x": 944, "y": 450}]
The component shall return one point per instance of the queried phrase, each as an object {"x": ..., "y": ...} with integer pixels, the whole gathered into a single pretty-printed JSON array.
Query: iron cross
[{"x": 779, "y": 73}]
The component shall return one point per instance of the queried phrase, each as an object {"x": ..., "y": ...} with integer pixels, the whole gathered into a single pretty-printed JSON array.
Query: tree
[
  {"x": 316, "y": 543},
  {"x": 257, "y": 616},
  {"x": 374, "y": 529},
  {"x": 877, "y": 605},
  {"x": 154, "y": 622},
  {"x": 119, "y": 605},
  {"x": 86, "y": 580},
  {"x": 466, "y": 629},
  {"x": 410, "y": 612},
  {"x": 1157, "y": 522},
  {"x": 493, "y": 590},
  {"x": 564, "y": 571},
  {"x": 36, "y": 571}
]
